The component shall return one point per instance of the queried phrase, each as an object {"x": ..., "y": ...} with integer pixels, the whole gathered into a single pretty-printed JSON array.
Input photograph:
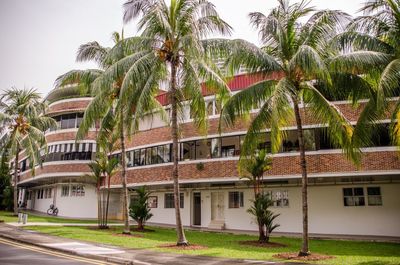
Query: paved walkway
[
  {"x": 16, "y": 224},
  {"x": 115, "y": 254}
]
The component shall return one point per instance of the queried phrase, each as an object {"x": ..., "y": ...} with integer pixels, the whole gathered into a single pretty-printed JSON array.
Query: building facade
[{"x": 343, "y": 199}]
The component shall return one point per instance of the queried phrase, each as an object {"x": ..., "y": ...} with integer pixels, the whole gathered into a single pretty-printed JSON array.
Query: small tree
[
  {"x": 6, "y": 194},
  {"x": 254, "y": 168},
  {"x": 264, "y": 217},
  {"x": 139, "y": 209},
  {"x": 102, "y": 170}
]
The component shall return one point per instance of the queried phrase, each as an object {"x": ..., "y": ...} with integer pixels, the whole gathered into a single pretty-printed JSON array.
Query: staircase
[{"x": 217, "y": 225}]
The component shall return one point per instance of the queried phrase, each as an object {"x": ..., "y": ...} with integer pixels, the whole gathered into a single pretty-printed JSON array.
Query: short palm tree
[
  {"x": 139, "y": 209},
  {"x": 104, "y": 105},
  {"x": 103, "y": 169},
  {"x": 21, "y": 113},
  {"x": 297, "y": 51},
  {"x": 372, "y": 45},
  {"x": 265, "y": 218},
  {"x": 254, "y": 168},
  {"x": 172, "y": 52}
]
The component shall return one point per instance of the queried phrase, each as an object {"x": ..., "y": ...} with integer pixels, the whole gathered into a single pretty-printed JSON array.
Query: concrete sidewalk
[
  {"x": 16, "y": 224},
  {"x": 114, "y": 254}
]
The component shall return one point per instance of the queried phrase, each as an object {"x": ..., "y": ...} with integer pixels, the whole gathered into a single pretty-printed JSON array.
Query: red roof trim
[{"x": 238, "y": 82}]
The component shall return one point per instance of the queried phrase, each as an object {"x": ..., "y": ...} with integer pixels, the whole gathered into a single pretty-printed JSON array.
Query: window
[
  {"x": 230, "y": 146},
  {"x": 67, "y": 121},
  {"x": 169, "y": 200},
  {"x": 280, "y": 198},
  {"x": 153, "y": 201},
  {"x": 374, "y": 196},
  {"x": 79, "y": 119},
  {"x": 203, "y": 149},
  {"x": 235, "y": 199},
  {"x": 48, "y": 193},
  {"x": 167, "y": 153},
  {"x": 216, "y": 147},
  {"x": 65, "y": 191},
  {"x": 210, "y": 108},
  {"x": 188, "y": 150},
  {"x": 134, "y": 198},
  {"x": 129, "y": 159},
  {"x": 353, "y": 196},
  {"x": 78, "y": 190}
]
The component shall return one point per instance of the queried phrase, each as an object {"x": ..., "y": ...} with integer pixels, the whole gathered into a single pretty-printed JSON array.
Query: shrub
[
  {"x": 139, "y": 208},
  {"x": 265, "y": 218}
]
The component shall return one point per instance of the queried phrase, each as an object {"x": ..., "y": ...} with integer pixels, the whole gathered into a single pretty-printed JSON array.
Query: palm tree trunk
[
  {"x": 98, "y": 206},
  {"x": 261, "y": 233},
  {"x": 123, "y": 175},
  {"x": 16, "y": 181},
  {"x": 108, "y": 199},
  {"x": 175, "y": 176},
  {"x": 304, "y": 247}
]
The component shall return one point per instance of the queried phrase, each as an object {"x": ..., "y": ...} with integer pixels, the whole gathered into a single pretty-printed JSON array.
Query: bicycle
[{"x": 52, "y": 210}]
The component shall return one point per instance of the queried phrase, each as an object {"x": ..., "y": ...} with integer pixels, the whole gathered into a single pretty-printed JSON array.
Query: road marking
[{"x": 50, "y": 252}]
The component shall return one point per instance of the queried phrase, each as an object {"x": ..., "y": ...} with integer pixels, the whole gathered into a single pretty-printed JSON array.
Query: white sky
[{"x": 39, "y": 39}]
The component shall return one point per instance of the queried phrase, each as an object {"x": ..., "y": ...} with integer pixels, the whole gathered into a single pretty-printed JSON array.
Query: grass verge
[
  {"x": 9, "y": 217},
  {"x": 228, "y": 245}
]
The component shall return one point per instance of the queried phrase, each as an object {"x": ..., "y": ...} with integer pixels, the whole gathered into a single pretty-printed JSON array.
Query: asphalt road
[{"x": 12, "y": 253}]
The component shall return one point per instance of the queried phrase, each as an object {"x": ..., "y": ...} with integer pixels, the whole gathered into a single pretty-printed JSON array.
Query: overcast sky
[{"x": 40, "y": 38}]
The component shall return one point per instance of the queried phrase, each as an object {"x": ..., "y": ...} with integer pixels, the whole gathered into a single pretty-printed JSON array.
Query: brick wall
[
  {"x": 71, "y": 106},
  {"x": 289, "y": 165},
  {"x": 67, "y": 168},
  {"x": 67, "y": 136}
]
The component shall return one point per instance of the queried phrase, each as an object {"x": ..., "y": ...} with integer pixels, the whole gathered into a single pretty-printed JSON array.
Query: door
[
  {"x": 196, "y": 208},
  {"x": 217, "y": 206}
]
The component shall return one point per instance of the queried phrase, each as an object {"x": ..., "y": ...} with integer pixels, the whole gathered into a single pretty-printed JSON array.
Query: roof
[{"x": 236, "y": 83}]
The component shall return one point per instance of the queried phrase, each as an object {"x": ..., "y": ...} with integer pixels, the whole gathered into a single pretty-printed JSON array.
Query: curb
[{"x": 71, "y": 252}]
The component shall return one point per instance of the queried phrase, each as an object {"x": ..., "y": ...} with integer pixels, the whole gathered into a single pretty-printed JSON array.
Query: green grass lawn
[
  {"x": 9, "y": 217},
  {"x": 226, "y": 245}
]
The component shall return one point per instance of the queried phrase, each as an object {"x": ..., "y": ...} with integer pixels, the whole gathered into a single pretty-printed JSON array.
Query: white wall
[
  {"x": 76, "y": 207},
  {"x": 79, "y": 206},
  {"x": 327, "y": 214},
  {"x": 167, "y": 215}
]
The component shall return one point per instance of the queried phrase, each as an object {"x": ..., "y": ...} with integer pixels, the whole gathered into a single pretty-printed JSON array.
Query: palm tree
[
  {"x": 102, "y": 171},
  {"x": 256, "y": 166},
  {"x": 140, "y": 210},
  {"x": 21, "y": 112},
  {"x": 107, "y": 139},
  {"x": 299, "y": 52},
  {"x": 371, "y": 43},
  {"x": 265, "y": 218},
  {"x": 104, "y": 106},
  {"x": 172, "y": 51}
]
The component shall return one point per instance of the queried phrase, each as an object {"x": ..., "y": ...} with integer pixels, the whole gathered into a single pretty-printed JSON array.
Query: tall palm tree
[
  {"x": 104, "y": 104},
  {"x": 21, "y": 112},
  {"x": 372, "y": 44},
  {"x": 172, "y": 52},
  {"x": 299, "y": 52}
]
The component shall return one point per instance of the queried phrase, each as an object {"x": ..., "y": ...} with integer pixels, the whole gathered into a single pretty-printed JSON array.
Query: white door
[{"x": 217, "y": 206}]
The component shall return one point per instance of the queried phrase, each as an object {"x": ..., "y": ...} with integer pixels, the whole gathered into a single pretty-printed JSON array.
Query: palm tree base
[
  {"x": 304, "y": 254},
  {"x": 182, "y": 244}
]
